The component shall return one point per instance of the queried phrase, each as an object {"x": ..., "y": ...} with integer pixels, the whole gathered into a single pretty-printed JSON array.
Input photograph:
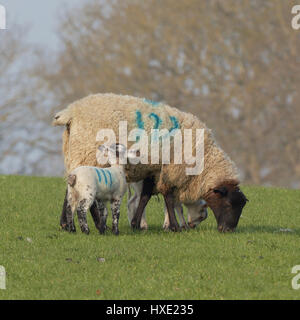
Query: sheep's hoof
[
  {"x": 166, "y": 227},
  {"x": 185, "y": 227},
  {"x": 135, "y": 225},
  {"x": 144, "y": 226},
  {"x": 175, "y": 228}
]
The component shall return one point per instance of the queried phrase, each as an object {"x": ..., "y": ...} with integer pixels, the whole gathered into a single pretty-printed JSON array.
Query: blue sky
[{"x": 40, "y": 15}]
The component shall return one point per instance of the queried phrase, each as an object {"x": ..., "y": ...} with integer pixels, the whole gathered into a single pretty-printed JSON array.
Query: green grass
[{"x": 255, "y": 262}]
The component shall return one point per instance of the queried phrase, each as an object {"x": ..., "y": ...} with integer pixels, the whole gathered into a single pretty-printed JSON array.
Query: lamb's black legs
[
  {"x": 146, "y": 194},
  {"x": 102, "y": 216},
  {"x": 81, "y": 213},
  {"x": 115, "y": 210},
  {"x": 70, "y": 225},
  {"x": 99, "y": 215},
  {"x": 98, "y": 212}
]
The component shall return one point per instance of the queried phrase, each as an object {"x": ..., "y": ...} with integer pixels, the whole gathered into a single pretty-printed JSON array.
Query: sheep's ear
[{"x": 133, "y": 154}]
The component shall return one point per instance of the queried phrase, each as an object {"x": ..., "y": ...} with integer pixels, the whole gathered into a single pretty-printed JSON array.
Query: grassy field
[{"x": 43, "y": 262}]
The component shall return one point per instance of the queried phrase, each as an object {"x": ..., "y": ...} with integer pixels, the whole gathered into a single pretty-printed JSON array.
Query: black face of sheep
[{"x": 227, "y": 202}]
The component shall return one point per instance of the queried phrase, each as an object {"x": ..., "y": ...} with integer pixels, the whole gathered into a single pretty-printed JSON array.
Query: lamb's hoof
[
  {"x": 70, "y": 228},
  {"x": 102, "y": 228},
  {"x": 116, "y": 232},
  {"x": 63, "y": 226},
  {"x": 85, "y": 230}
]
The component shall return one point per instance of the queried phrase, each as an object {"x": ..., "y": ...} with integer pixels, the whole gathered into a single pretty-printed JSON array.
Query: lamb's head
[
  {"x": 197, "y": 212},
  {"x": 227, "y": 202}
]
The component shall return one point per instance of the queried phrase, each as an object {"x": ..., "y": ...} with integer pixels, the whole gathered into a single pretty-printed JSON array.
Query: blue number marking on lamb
[
  {"x": 153, "y": 103},
  {"x": 104, "y": 175},
  {"x": 98, "y": 174},
  {"x": 110, "y": 177},
  {"x": 157, "y": 120}
]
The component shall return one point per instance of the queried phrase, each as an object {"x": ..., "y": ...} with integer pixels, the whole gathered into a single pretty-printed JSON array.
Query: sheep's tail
[
  {"x": 72, "y": 192},
  {"x": 62, "y": 118},
  {"x": 71, "y": 180}
]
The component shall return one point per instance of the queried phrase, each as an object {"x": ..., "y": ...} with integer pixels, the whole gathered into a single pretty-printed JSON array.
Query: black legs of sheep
[
  {"x": 148, "y": 185},
  {"x": 96, "y": 213},
  {"x": 169, "y": 201},
  {"x": 146, "y": 194},
  {"x": 63, "y": 217}
]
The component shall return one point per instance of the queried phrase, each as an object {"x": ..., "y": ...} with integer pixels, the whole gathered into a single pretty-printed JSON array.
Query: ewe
[{"x": 217, "y": 184}]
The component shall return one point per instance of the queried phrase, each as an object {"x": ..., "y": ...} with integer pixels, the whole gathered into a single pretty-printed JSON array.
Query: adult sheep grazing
[{"x": 217, "y": 184}]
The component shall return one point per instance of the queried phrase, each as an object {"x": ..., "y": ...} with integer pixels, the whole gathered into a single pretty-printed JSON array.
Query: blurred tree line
[{"x": 235, "y": 64}]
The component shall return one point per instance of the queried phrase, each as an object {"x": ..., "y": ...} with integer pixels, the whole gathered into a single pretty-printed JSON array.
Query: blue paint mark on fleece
[
  {"x": 157, "y": 120},
  {"x": 98, "y": 174},
  {"x": 153, "y": 103},
  {"x": 110, "y": 177},
  {"x": 104, "y": 175},
  {"x": 138, "y": 118},
  {"x": 139, "y": 122},
  {"x": 175, "y": 122}
]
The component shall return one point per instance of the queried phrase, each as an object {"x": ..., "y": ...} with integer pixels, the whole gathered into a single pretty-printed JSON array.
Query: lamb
[
  {"x": 217, "y": 184},
  {"x": 196, "y": 213},
  {"x": 88, "y": 184}
]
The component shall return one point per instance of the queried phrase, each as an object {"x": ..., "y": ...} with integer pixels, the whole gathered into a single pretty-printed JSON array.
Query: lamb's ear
[
  {"x": 104, "y": 151},
  {"x": 221, "y": 190},
  {"x": 102, "y": 148},
  {"x": 118, "y": 148}
]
